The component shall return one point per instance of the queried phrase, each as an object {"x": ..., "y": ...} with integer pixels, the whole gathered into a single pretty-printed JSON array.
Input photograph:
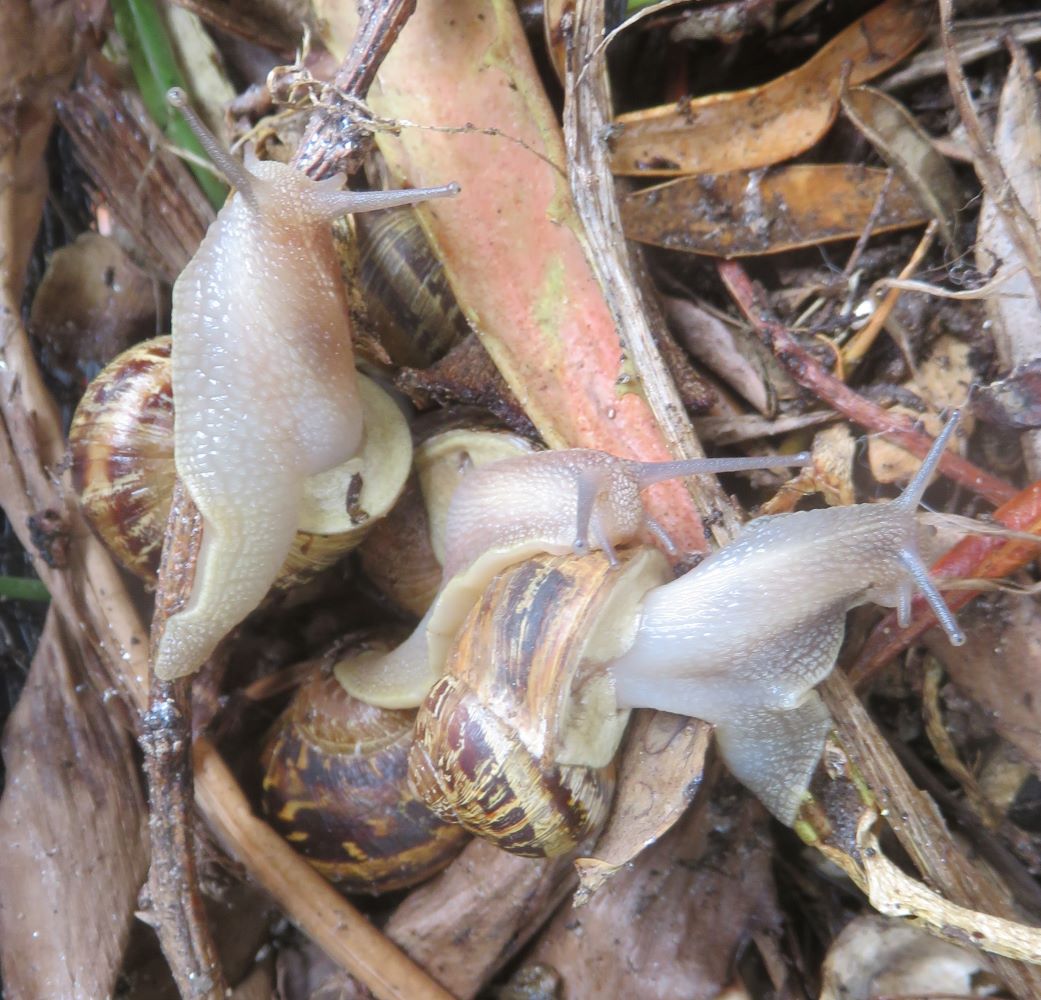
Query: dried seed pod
[
  {"x": 403, "y": 553},
  {"x": 121, "y": 443},
  {"x": 335, "y": 787},
  {"x": 516, "y": 741}
]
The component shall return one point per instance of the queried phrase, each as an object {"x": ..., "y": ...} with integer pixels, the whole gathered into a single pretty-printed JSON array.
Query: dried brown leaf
[
  {"x": 670, "y": 924},
  {"x": 752, "y": 128},
  {"x": 898, "y": 137},
  {"x": 660, "y": 772},
  {"x": 738, "y": 359},
  {"x": 73, "y": 840},
  {"x": 1015, "y": 309},
  {"x": 740, "y": 214}
]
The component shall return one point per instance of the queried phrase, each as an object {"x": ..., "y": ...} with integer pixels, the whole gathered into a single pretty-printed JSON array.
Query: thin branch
[
  {"x": 335, "y": 141},
  {"x": 810, "y": 375}
]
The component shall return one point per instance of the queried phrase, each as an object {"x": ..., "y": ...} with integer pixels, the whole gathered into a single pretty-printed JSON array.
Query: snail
[
  {"x": 516, "y": 741},
  {"x": 407, "y": 294},
  {"x": 335, "y": 787},
  {"x": 739, "y": 641},
  {"x": 121, "y": 451},
  {"x": 507, "y": 512},
  {"x": 263, "y": 380},
  {"x": 403, "y": 553}
]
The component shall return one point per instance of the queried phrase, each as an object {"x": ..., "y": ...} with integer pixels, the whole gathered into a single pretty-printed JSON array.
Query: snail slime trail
[{"x": 264, "y": 385}]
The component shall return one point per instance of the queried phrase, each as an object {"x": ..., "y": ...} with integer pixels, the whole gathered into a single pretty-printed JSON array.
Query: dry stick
[
  {"x": 861, "y": 341},
  {"x": 995, "y": 181},
  {"x": 166, "y": 739},
  {"x": 177, "y": 911},
  {"x": 921, "y": 833},
  {"x": 587, "y": 119},
  {"x": 809, "y": 374},
  {"x": 335, "y": 141}
]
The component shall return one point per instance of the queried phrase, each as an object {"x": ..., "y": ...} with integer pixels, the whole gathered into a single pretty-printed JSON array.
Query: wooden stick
[{"x": 809, "y": 374}]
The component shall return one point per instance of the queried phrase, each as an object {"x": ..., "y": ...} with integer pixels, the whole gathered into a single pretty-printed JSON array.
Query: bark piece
[{"x": 73, "y": 844}]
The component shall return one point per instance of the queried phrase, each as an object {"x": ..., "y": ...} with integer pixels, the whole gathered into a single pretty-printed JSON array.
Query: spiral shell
[
  {"x": 335, "y": 787},
  {"x": 121, "y": 444},
  {"x": 516, "y": 741}
]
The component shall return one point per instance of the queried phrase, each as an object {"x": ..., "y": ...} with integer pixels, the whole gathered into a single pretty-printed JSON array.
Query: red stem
[{"x": 811, "y": 375}]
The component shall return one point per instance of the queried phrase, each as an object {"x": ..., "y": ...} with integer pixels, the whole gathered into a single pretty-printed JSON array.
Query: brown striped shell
[
  {"x": 121, "y": 445},
  {"x": 335, "y": 787},
  {"x": 516, "y": 741},
  {"x": 407, "y": 293}
]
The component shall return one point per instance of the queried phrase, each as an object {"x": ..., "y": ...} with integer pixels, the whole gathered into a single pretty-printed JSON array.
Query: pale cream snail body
[{"x": 264, "y": 383}]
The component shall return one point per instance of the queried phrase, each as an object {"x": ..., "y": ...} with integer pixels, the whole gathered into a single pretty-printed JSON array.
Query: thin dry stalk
[
  {"x": 336, "y": 140},
  {"x": 922, "y": 834},
  {"x": 992, "y": 176},
  {"x": 809, "y": 374}
]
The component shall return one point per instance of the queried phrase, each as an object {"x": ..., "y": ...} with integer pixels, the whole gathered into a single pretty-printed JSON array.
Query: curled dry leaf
[
  {"x": 898, "y": 137},
  {"x": 943, "y": 379},
  {"x": 73, "y": 839},
  {"x": 644, "y": 934},
  {"x": 740, "y": 214},
  {"x": 1014, "y": 309},
  {"x": 752, "y": 128},
  {"x": 1014, "y": 401},
  {"x": 661, "y": 770},
  {"x": 876, "y": 957},
  {"x": 735, "y": 356}
]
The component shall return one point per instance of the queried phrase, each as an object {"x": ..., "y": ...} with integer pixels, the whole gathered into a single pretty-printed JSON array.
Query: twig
[
  {"x": 334, "y": 141},
  {"x": 586, "y": 121},
  {"x": 995, "y": 181},
  {"x": 177, "y": 911},
  {"x": 922, "y": 834},
  {"x": 166, "y": 739},
  {"x": 809, "y": 374}
]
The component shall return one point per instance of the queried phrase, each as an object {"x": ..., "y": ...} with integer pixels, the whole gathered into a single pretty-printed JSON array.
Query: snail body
[
  {"x": 264, "y": 384},
  {"x": 506, "y": 512},
  {"x": 742, "y": 639},
  {"x": 335, "y": 787}
]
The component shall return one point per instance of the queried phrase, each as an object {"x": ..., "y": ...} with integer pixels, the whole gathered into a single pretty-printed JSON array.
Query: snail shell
[
  {"x": 402, "y": 555},
  {"x": 407, "y": 294},
  {"x": 516, "y": 741},
  {"x": 122, "y": 449},
  {"x": 335, "y": 787}
]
